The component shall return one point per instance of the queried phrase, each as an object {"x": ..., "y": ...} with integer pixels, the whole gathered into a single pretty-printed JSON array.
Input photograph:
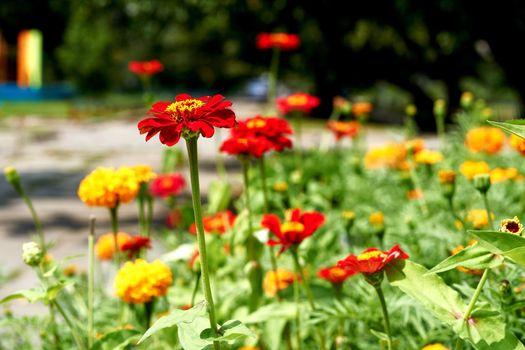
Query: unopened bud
[
  {"x": 466, "y": 100},
  {"x": 411, "y": 110},
  {"x": 440, "y": 107},
  {"x": 482, "y": 182},
  {"x": 12, "y": 176},
  {"x": 32, "y": 253},
  {"x": 504, "y": 288}
]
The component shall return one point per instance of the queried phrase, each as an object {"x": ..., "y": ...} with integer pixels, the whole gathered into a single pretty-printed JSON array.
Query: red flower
[
  {"x": 146, "y": 67},
  {"x": 372, "y": 260},
  {"x": 299, "y": 101},
  {"x": 174, "y": 218},
  {"x": 218, "y": 223},
  {"x": 335, "y": 274},
  {"x": 199, "y": 115},
  {"x": 341, "y": 129},
  {"x": 274, "y": 129},
  {"x": 134, "y": 245},
  {"x": 167, "y": 185},
  {"x": 283, "y": 41},
  {"x": 293, "y": 231},
  {"x": 248, "y": 144}
]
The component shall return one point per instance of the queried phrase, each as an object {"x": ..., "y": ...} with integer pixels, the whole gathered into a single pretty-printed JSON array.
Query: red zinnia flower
[
  {"x": 167, "y": 185},
  {"x": 218, "y": 223},
  {"x": 274, "y": 129},
  {"x": 238, "y": 144},
  {"x": 135, "y": 244},
  {"x": 299, "y": 101},
  {"x": 293, "y": 231},
  {"x": 335, "y": 274},
  {"x": 146, "y": 67},
  {"x": 372, "y": 260},
  {"x": 283, "y": 41},
  {"x": 341, "y": 129},
  {"x": 198, "y": 115}
]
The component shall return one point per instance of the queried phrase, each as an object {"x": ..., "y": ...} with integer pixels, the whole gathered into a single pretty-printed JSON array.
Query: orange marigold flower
[
  {"x": 503, "y": 174},
  {"x": 341, "y": 129},
  {"x": 517, "y": 143},
  {"x": 415, "y": 194},
  {"x": 471, "y": 168},
  {"x": 479, "y": 218},
  {"x": 300, "y": 101},
  {"x": 435, "y": 346},
  {"x": 105, "y": 246},
  {"x": 218, "y": 223},
  {"x": 186, "y": 114},
  {"x": 293, "y": 231},
  {"x": 362, "y": 108},
  {"x": 146, "y": 67},
  {"x": 428, "y": 157},
  {"x": 372, "y": 260},
  {"x": 447, "y": 176},
  {"x": 139, "y": 281},
  {"x": 415, "y": 145},
  {"x": 283, "y": 41},
  {"x": 274, "y": 282},
  {"x": 377, "y": 218},
  {"x": 335, "y": 274},
  {"x": 511, "y": 226},
  {"x": 485, "y": 139}
]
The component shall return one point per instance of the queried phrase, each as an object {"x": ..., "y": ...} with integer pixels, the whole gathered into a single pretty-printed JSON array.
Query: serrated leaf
[
  {"x": 176, "y": 318},
  {"x": 515, "y": 126},
  {"x": 117, "y": 340},
  {"x": 506, "y": 244},
  {"x": 473, "y": 257}
]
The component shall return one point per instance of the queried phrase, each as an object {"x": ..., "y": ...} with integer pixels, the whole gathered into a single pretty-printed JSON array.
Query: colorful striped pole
[{"x": 29, "y": 59}]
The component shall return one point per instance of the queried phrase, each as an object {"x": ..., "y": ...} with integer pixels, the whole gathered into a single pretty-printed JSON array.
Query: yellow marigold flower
[
  {"x": 106, "y": 187},
  {"x": 485, "y": 139},
  {"x": 511, "y": 226},
  {"x": 447, "y": 176},
  {"x": 376, "y": 218},
  {"x": 435, "y": 346},
  {"x": 471, "y": 168},
  {"x": 105, "y": 247},
  {"x": 428, "y": 157},
  {"x": 277, "y": 281},
  {"x": 517, "y": 143},
  {"x": 503, "y": 174},
  {"x": 139, "y": 281},
  {"x": 70, "y": 270},
  {"x": 249, "y": 347},
  {"x": 466, "y": 99},
  {"x": 479, "y": 218},
  {"x": 348, "y": 215},
  {"x": 280, "y": 186},
  {"x": 144, "y": 173},
  {"x": 388, "y": 156}
]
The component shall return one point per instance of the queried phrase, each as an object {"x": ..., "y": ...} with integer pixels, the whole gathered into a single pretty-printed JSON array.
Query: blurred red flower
[
  {"x": 341, "y": 129},
  {"x": 167, "y": 185},
  {"x": 249, "y": 144},
  {"x": 198, "y": 115},
  {"x": 218, "y": 223},
  {"x": 372, "y": 260},
  {"x": 293, "y": 231},
  {"x": 274, "y": 129},
  {"x": 299, "y": 101},
  {"x": 135, "y": 244},
  {"x": 146, "y": 67},
  {"x": 283, "y": 41},
  {"x": 335, "y": 274}
]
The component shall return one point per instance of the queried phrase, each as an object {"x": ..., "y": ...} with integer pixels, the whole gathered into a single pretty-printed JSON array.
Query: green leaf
[
  {"x": 516, "y": 126},
  {"x": 285, "y": 310},
  {"x": 219, "y": 196},
  {"x": 473, "y": 257},
  {"x": 31, "y": 295},
  {"x": 189, "y": 334},
  {"x": 273, "y": 331},
  {"x": 176, "y": 318},
  {"x": 230, "y": 331},
  {"x": 506, "y": 244},
  {"x": 117, "y": 340}
]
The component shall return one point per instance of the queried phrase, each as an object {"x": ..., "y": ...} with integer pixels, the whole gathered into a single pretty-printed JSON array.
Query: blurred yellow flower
[
  {"x": 517, "y": 143},
  {"x": 447, "y": 176},
  {"x": 70, "y": 270},
  {"x": 479, "y": 218},
  {"x": 376, "y": 218},
  {"x": 249, "y": 347},
  {"x": 503, "y": 174},
  {"x": 280, "y": 186},
  {"x": 277, "y": 281},
  {"x": 140, "y": 281},
  {"x": 485, "y": 139},
  {"x": 144, "y": 173},
  {"x": 471, "y": 168},
  {"x": 388, "y": 156},
  {"x": 348, "y": 215},
  {"x": 428, "y": 157},
  {"x": 435, "y": 346},
  {"x": 105, "y": 246},
  {"x": 107, "y": 187}
]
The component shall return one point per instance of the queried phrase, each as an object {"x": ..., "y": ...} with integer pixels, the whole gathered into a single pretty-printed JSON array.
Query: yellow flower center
[
  {"x": 336, "y": 272},
  {"x": 166, "y": 182},
  {"x": 184, "y": 106},
  {"x": 297, "y": 100},
  {"x": 242, "y": 141},
  {"x": 371, "y": 255},
  {"x": 256, "y": 124},
  {"x": 292, "y": 226},
  {"x": 279, "y": 38}
]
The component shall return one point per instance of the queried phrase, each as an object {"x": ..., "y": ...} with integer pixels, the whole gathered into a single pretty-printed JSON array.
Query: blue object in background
[{"x": 11, "y": 92}]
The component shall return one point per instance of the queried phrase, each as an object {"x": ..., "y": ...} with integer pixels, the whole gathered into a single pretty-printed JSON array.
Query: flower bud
[
  {"x": 411, "y": 110},
  {"x": 440, "y": 107},
  {"x": 466, "y": 100},
  {"x": 447, "y": 180},
  {"x": 13, "y": 177},
  {"x": 504, "y": 288},
  {"x": 482, "y": 182},
  {"x": 32, "y": 253}
]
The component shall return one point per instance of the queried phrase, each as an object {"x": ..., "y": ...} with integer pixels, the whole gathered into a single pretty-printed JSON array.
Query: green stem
[
  {"x": 475, "y": 297},
  {"x": 417, "y": 186},
  {"x": 255, "y": 266},
  {"x": 336, "y": 114},
  {"x": 196, "y": 288},
  {"x": 300, "y": 271},
  {"x": 454, "y": 214},
  {"x": 385, "y": 314},
  {"x": 91, "y": 282},
  {"x": 440, "y": 125},
  {"x": 76, "y": 336},
  {"x": 36, "y": 218},
  {"x": 459, "y": 344},
  {"x": 272, "y": 79},
  {"x": 113, "y": 212},
  {"x": 191, "y": 145},
  {"x": 297, "y": 313},
  {"x": 54, "y": 330},
  {"x": 487, "y": 208}
]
